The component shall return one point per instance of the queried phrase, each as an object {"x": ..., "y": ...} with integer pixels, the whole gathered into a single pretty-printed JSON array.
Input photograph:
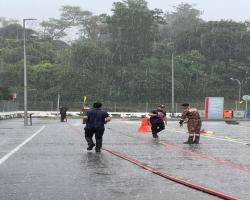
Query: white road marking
[
  {"x": 228, "y": 139},
  {"x": 223, "y": 138},
  {"x": 8, "y": 155}
]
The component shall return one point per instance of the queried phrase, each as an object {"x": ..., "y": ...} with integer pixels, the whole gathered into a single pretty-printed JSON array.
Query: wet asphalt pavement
[{"x": 54, "y": 164}]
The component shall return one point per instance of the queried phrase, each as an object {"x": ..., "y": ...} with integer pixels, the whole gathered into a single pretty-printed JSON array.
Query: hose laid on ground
[
  {"x": 167, "y": 176},
  {"x": 173, "y": 178}
]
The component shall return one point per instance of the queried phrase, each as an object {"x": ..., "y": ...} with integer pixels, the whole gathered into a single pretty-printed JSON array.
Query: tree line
[{"x": 126, "y": 56}]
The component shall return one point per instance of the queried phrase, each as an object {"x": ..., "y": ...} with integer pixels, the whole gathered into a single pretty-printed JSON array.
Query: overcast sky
[{"x": 237, "y": 10}]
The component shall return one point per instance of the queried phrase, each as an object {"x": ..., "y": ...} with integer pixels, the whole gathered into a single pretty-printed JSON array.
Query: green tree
[
  {"x": 131, "y": 30},
  {"x": 4, "y": 93}
]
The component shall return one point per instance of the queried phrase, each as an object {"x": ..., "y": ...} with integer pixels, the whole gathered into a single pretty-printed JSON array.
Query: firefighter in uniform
[{"x": 193, "y": 123}]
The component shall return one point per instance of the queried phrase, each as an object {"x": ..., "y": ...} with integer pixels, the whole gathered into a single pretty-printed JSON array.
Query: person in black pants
[
  {"x": 63, "y": 113},
  {"x": 158, "y": 120},
  {"x": 95, "y": 120}
]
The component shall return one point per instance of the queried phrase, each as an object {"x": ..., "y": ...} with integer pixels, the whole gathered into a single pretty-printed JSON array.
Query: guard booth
[{"x": 228, "y": 114}]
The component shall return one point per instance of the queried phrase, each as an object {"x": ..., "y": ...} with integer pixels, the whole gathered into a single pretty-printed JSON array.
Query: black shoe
[
  {"x": 90, "y": 147},
  {"x": 187, "y": 142},
  {"x": 155, "y": 136},
  {"x": 98, "y": 150}
]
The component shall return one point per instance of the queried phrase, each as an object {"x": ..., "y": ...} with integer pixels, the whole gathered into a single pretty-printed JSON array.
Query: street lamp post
[
  {"x": 238, "y": 81},
  {"x": 172, "y": 84},
  {"x": 25, "y": 74}
]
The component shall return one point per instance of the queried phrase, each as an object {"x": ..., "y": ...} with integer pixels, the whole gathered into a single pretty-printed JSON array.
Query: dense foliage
[{"x": 126, "y": 57}]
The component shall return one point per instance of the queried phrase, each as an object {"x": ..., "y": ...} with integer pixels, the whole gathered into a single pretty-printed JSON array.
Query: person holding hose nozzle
[{"x": 193, "y": 123}]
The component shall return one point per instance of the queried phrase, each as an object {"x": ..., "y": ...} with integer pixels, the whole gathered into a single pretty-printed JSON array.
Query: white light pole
[
  {"x": 172, "y": 84},
  {"x": 25, "y": 75},
  {"x": 238, "y": 81},
  {"x": 58, "y": 103}
]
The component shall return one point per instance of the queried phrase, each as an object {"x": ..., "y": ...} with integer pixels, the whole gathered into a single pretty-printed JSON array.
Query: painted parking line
[
  {"x": 8, "y": 155},
  {"x": 228, "y": 139},
  {"x": 223, "y": 138}
]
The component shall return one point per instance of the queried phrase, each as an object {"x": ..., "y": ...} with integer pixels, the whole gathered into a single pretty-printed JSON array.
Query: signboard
[{"x": 214, "y": 108}]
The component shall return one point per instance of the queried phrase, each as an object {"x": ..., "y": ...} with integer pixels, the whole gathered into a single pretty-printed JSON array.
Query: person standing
[
  {"x": 63, "y": 113},
  {"x": 84, "y": 111},
  {"x": 95, "y": 120},
  {"x": 158, "y": 120},
  {"x": 193, "y": 123}
]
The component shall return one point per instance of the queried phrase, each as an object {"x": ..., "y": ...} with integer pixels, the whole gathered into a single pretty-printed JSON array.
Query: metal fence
[
  {"x": 8, "y": 106},
  {"x": 124, "y": 106}
]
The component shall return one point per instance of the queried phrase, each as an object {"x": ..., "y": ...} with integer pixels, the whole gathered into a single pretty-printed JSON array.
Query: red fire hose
[{"x": 173, "y": 178}]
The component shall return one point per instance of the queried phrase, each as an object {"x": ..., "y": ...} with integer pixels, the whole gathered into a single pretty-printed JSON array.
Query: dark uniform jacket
[
  {"x": 159, "y": 118},
  {"x": 96, "y": 118}
]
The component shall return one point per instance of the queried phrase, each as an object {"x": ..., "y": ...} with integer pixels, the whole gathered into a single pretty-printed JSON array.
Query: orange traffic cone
[{"x": 145, "y": 125}]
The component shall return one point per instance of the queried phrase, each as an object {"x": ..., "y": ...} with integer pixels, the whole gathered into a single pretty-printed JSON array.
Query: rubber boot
[
  {"x": 197, "y": 139},
  {"x": 190, "y": 140}
]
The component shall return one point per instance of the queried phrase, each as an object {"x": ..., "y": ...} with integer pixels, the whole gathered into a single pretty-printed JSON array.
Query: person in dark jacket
[
  {"x": 95, "y": 120},
  {"x": 158, "y": 120},
  {"x": 63, "y": 113}
]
